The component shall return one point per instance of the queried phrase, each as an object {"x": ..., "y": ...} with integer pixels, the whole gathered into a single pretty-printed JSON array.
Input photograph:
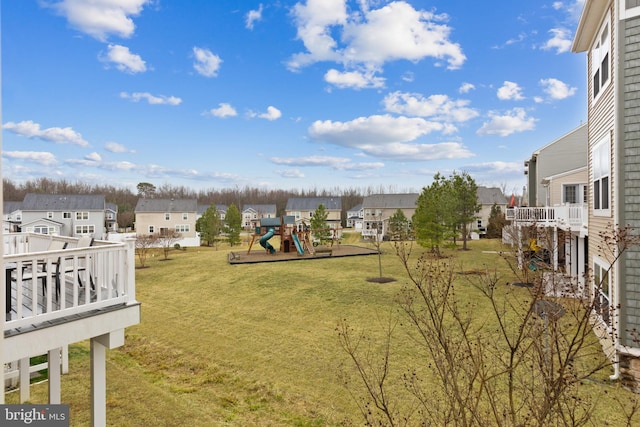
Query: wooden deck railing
[
  {"x": 569, "y": 216},
  {"x": 49, "y": 285}
]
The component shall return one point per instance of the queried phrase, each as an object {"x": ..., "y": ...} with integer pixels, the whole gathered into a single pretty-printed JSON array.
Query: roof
[
  {"x": 10, "y": 207},
  {"x": 491, "y": 195},
  {"x": 312, "y": 203},
  {"x": 592, "y": 13},
  {"x": 63, "y": 202},
  {"x": 260, "y": 208},
  {"x": 356, "y": 208},
  {"x": 391, "y": 201},
  {"x": 166, "y": 205}
]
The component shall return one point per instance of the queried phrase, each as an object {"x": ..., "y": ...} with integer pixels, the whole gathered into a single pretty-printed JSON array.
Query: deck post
[
  {"x": 98, "y": 383},
  {"x": 54, "y": 376},
  {"x": 24, "y": 379}
]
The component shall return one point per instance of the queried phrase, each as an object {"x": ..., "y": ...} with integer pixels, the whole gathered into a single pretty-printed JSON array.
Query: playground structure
[{"x": 292, "y": 237}]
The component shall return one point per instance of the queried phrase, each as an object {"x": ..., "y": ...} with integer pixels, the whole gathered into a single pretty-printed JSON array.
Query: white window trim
[
  {"x": 598, "y": 53},
  {"x": 628, "y": 13},
  {"x": 579, "y": 192},
  {"x": 167, "y": 216},
  {"x": 601, "y": 159},
  {"x": 605, "y": 267}
]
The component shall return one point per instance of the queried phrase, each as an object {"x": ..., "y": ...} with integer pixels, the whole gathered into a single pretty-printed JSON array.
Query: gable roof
[
  {"x": 491, "y": 195},
  {"x": 63, "y": 202},
  {"x": 11, "y": 207},
  {"x": 356, "y": 208},
  {"x": 260, "y": 208},
  {"x": 391, "y": 201},
  {"x": 312, "y": 203},
  {"x": 166, "y": 205}
]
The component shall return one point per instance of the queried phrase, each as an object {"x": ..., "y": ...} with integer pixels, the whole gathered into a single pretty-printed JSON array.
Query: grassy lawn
[{"x": 256, "y": 344}]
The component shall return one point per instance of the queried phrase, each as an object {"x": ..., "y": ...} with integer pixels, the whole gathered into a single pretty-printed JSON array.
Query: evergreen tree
[
  {"x": 399, "y": 225},
  {"x": 497, "y": 221},
  {"x": 234, "y": 225},
  {"x": 319, "y": 223},
  {"x": 432, "y": 218},
  {"x": 465, "y": 203},
  {"x": 209, "y": 225}
]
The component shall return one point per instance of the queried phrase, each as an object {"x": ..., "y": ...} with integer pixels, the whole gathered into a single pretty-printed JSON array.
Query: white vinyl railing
[
  {"x": 48, "y": 285},
  {"x": 569, "y": 216}
]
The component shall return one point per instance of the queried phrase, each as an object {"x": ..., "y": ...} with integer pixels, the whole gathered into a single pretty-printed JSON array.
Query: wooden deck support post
[
  {"x": 54, "y": 360},
  {"x": 24, "y": 379}
]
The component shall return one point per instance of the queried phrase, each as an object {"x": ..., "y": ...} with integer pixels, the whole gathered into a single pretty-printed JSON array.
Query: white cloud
[
  {"x": 58, "y": 135},
  {"x": 389, "y": 137},
  {"x": 101, "y": 18},
  {"x": 466, "y": 88},
  {"x": 513, "y": 121},
  {"x": 40, "y": 157},
  {"x": 371, "y": 37},
  {"x": 272, "y": 114},
  {"x": 560, "y": 40},
  {"x": 115, "y": 147},
  {"x": 224, "y": 110},
  {"x": 557, "y": 89},
  {"x": 289, "y": 173},
  {"x": 94, "y": 157},
  {"x": 151, "y": 99},
  {"x": 123, "y": 59},
  {"x": 253, "y": 16},
  {"x": 439, "y": 107},
  {"x": 510, "y": 91},
  {"x": 207, "y": 63},
  {"x": 337, "y": 163},
  {"x": 353, "y": 79}
]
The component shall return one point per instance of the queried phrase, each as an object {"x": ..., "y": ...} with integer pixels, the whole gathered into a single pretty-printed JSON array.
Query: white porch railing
[
  {"x": 567, "y": 217},
  {"x": 88, "y": 278}
]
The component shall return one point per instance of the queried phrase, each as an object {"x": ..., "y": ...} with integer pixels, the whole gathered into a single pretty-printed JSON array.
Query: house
[
  {"x": 70, "y": 215},
  {"x": 111, "y": 217},
  {"x": 569, "y": 152},
  {"x": 302, "y": 209},
  {"x": 12, "y": 216},
  {"x": 355, "y": 217},
  {"x": 378, "y": 208},
  {"x": 222, "y": 210},
  {"x": 556, "y": 219},
  {"x": 609, "y": 33},
  {"x": 161, "y": 216},
  {"x": 252, "y": 214},
  {"x": 487, "y": 198}
]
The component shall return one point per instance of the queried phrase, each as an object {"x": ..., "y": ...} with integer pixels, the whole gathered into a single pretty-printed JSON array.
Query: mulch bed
[{"x": 259, "y": 255}]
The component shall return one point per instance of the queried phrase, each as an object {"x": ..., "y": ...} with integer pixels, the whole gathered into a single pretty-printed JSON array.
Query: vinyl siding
[{"x": 630, "y": 178}]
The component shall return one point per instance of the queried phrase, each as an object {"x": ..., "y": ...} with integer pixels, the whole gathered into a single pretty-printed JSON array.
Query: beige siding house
[
  {"x": 158, "y": 216},
  {"x": 378, "y": 208},
  {"x": 302, "y": 209}
]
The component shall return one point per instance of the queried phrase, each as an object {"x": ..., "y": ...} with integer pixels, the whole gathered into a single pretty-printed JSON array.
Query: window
[
  {"x": 167, "y": 216},
  {"x": 66, "y": 215},
  {"x": 50, "y": 215},
  {"x": 152, "y": 229},
  {"x": 601, "y": 171},
  {"x": 574, "y": 193},
  {"x": 600, "y": 59},
  {"x": 182, "y": 228},
  {"x": 82, "y": 216},
  {"x": 601, "y": 290},
  {"x": 85, "y": 229},
  {"x": 185, "y": 216},
  {"x": 43, "y": 229}
]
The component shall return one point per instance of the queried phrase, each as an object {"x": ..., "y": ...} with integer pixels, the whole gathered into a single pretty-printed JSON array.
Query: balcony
[
  {"x": 568, "y": 217},
  {"x": 55, "y": 297}
]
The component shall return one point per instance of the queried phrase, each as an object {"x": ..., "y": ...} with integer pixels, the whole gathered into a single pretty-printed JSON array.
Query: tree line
[{"x": 126, "y": 199}]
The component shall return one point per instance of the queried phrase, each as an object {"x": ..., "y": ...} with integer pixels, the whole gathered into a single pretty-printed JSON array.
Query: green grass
[{"x": 252, "y": 345}]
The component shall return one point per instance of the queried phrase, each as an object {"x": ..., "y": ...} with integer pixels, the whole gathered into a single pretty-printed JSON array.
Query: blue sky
[{"x": 285, "y": 94}]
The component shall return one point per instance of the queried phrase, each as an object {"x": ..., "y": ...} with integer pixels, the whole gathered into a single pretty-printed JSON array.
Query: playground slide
[
  {"x": 296, "y": 241},
  {"x": 264, "y": 241}
]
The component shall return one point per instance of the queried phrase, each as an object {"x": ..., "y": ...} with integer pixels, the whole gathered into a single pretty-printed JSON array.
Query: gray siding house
[
  {"x": 72, "y": 215},
  {"x": 609, "y": 33},
  {"x": 565, "y": 153}
]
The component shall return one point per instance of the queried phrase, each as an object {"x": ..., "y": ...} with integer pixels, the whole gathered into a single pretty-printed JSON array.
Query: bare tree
[
  {"x": 167, "y": 240},
  {"x": 512, "y": 356},
  {"x": 144, "y": 243}
]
